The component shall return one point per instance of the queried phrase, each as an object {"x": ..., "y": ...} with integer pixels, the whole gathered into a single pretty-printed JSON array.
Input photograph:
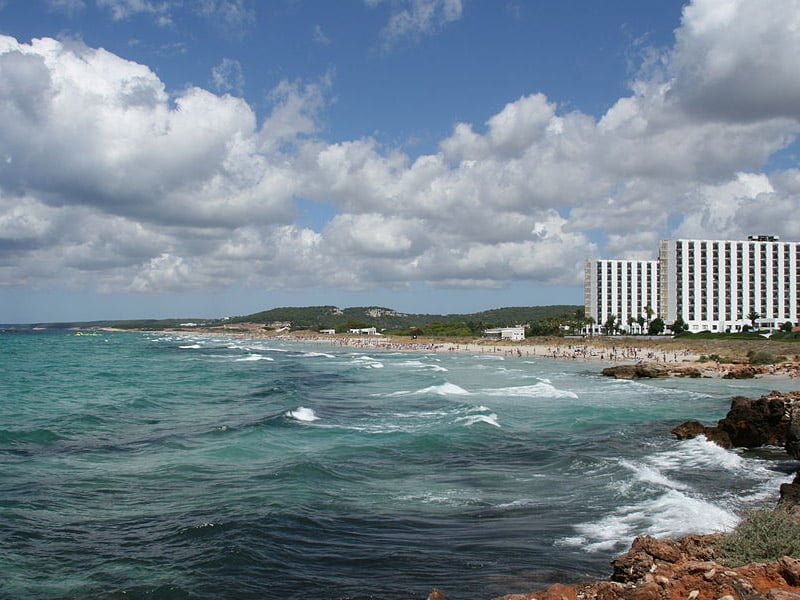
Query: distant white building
[
  {"x": 327, "y": 331},
  {"x": 712, "y": 285},
  {"x": 364, "y": 331},
  {"x": 515, "y": 334}
]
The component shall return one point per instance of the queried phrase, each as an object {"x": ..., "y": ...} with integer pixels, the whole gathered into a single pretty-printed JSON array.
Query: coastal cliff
[{"x": 694, "y": 567}]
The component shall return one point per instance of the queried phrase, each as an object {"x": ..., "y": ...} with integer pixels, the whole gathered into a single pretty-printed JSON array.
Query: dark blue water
[{"x": 164, "y": 466}]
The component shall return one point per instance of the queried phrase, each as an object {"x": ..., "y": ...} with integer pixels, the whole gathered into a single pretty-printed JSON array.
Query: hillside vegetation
[
  {"x": 332, "y": 317},
  {"x": 314, "y": 317}
]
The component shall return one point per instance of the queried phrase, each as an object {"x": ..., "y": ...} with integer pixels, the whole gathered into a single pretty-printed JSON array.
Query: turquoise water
[{"x": 165, "y": 466}]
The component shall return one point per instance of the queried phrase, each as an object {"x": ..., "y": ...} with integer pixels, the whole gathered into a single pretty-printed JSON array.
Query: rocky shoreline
[
  {"x": 690, "y": 567},
  {"x": 696, "y": 370}
]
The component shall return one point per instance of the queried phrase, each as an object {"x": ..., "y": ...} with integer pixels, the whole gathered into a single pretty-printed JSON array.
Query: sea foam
[
  {"x": 301, "y": 413},
  {"x": 490, "y": 419},
  {"x": 254, "y": 357},
  {"x": 538, "y": 390}
]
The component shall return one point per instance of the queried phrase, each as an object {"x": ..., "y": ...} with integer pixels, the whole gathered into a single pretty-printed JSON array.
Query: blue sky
[{"x": 218, "y": 157}]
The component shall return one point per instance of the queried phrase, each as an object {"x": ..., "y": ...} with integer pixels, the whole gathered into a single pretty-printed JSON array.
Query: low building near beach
[
  {"x": 364, "y": 331},
  {"x": 515, "y": 334}
]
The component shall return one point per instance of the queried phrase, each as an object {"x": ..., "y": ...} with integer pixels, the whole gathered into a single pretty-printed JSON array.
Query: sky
[{"x": 212, "y": 158}]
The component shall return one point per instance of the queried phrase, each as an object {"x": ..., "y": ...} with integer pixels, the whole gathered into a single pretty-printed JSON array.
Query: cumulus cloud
[
  {"x": 109, "y": 180},
  {"x": 735, "y": 60}
]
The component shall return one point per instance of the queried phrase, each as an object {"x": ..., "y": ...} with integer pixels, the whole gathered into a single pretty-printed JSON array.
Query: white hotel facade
[
  {"x": 623, "y": 288},
  {"x": 713, "y": 285}
]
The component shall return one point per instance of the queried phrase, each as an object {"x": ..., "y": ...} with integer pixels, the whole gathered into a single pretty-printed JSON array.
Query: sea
[{"x": 175, "y": 466}]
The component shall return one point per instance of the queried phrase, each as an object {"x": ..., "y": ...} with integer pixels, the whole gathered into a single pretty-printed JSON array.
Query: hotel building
[
  {"x": 623, "y": 288},
  {"x": 712, "y": 285}
]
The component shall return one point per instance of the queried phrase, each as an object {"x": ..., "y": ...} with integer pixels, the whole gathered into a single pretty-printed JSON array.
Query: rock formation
[
  {"x": 772, "y": 420},
  {"x": 651, "y": 370},
  {"x": 656, "y": 569}
]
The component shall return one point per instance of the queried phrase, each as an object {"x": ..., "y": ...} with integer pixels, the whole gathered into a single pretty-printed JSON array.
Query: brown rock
[
  {"x": 691, "y": 372},
  {"x": 436, "y": 594},
  {"x": 689, "y": 430},
  {"x": 643, "y": 370},
  {"x": 740, "y": 373},
  {"x": 790, "y": 492},
  {"x": 789, "y": 569},
  {"x": 631, "y": 566}
]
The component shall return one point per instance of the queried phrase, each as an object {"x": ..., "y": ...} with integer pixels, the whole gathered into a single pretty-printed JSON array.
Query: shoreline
[{"x": 675, "y": 358}]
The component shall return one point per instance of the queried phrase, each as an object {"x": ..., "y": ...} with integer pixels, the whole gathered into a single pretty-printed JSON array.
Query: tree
[
  {"x": 641, "y": 321},
  {"x": 610, "y": 324},
  {"x": 650, "y": 312},
  {"x": 590, "y": 322},
  {"x": 787, "y": 327},
  {"x": 753, "y": 316},
  {"x": 656, "y": 326},
  {"x": 679, "y": 326}
]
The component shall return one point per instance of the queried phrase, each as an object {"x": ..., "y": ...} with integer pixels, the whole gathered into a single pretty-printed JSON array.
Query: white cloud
[
  {"x": 70, "y": 7},
  {"x": 235, "y": 18},
  {"x": 108, "y": 180},
  {"x": 736, "y": 60},
  {"x": 412, "y": 19},
  {"x": 228, "y": 76},
  {"x": 125, "y": 9},
  {"x": 319, "y": 37}
]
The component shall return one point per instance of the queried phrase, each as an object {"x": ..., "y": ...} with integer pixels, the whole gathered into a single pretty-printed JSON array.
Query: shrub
[
  {"x": 761, "y": 358},
  {"x": 765, "y": 534}
]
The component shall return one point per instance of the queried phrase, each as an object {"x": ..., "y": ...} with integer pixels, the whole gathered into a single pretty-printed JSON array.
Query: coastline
[{"x": 672, "y": 357}]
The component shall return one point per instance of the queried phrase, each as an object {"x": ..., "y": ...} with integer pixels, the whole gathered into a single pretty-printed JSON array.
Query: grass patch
[
  {"x": 765, "y": 534},
  {"x": 715, "y": 357},
  {"x": 760, "y": 357}
]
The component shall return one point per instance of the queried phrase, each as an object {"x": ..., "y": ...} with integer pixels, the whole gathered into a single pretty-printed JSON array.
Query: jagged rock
[
  {"x": 691, "y": 372},
  {"x": 790, "y": 492},
  {"x": 740, "y": 373},
  {"x": 436, "y": 594},
  {"x": 656, "y": 569},
  {"x": 689, "y": 430},
  {"x": 643, "y": 370},
  {"x": 753, "y": 423},
  {"x": 772, "y": 420},
  {"x": 793, "y": 433}
]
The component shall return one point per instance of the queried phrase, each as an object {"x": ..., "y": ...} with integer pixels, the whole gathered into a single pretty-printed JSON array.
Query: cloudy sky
[{"x": 204, "y": 158}]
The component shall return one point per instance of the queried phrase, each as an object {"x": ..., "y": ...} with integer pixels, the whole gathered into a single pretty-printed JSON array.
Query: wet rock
[
  {"x": 790, "y": 492},
  {"x": 772, "y": 420},
  {"x": 689, "y": 430},
  {"x": 740, "y": 373},
  {"x": 638, "y": 371},
  {"x": 656, "y": 569}
]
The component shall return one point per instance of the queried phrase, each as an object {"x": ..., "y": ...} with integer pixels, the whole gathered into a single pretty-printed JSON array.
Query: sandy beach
[{"x": 713, "y": 358}]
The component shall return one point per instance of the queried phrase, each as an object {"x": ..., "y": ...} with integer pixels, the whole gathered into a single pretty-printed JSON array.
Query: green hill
[
  {"x": 313, "y": 317},
  {"x": 332, "y": 317}
]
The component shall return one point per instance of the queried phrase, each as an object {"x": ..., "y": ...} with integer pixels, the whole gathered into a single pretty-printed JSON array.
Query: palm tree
[
  {"x": 590, "y": 322},
  {"x": 610, "y": 324},
  {"x": 650, "y": 312},
  {"x": 753, "y": 316}
]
